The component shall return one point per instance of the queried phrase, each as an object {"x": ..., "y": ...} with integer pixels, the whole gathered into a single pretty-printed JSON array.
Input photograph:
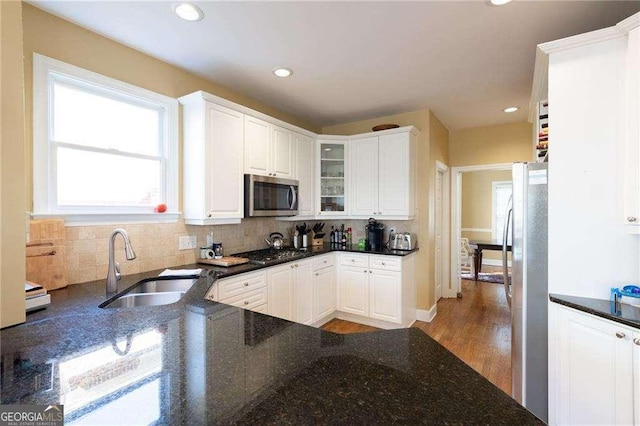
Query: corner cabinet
[
  {"x": 331, "y": 184},
  {"x": 305, "y": 147},
  {"x": 213, "y": 150},
  {"x": 594, "y": 375},
  {"x": 383, "y": 175},
  {"x": 269, "y": 149}
]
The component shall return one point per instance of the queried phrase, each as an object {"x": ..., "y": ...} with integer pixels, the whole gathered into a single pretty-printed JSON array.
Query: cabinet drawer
[
  {"x": 386, "y": 263},
  {"x": 261, "y": 308},
  {"x": 234, "y": 286},
  {"x": 248, "y": 300},
  {"x": 320, "y": 262},
  {"x": 349, "y": 259}
]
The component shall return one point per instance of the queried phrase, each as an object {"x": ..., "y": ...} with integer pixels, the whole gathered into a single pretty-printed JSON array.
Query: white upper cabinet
[
  {"x": 364, "y": 177},
  {"x": 305, "y": 170},
  {"x": 383, "y": 173},
  {"x": 632, "y": 126},
  {"x": 332, "y": 172},
  {"x": 269, "y": 149},
  {"x": 213, "y": 152}
]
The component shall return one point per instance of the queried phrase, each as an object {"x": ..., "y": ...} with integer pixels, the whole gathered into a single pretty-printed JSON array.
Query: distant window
[
  {"x": 500, "y": 202},
  {"x": 101, "y": 146}
]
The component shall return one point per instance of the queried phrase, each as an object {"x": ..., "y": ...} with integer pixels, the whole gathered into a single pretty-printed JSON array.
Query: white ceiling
[{"x": 464, "y": 60}]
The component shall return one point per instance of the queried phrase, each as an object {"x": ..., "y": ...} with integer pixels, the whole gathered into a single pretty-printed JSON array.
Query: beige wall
[
  {"x": 432, "y": 145},
  {"x": 12, "y": 170},
  {"x": 477, "y": 195},
  {"x": 504, "y": 143}
]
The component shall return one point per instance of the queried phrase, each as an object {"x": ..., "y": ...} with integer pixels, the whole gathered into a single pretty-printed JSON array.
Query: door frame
[
  {"x": 456, "y": 218},
  {"x": 446, "y": 230}
]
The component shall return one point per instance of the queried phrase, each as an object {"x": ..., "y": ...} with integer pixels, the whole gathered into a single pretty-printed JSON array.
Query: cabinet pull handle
[
  {"x": 246, "y": 284},
  {"x": 291, "y": 266},
  {"x": 620, "y": 335},
  {"x": 383, "y": 263},
  {"x": 636, "y": 341},
  {"x": 246, "y": 302},
  {"x": 631, "y": 219}
]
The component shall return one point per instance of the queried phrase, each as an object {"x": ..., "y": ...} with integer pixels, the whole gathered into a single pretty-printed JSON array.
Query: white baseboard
[
  {"x": 494, "y": 262},
  {"x": 427, "y": 315},
  {"x": 367, "y": 321}
]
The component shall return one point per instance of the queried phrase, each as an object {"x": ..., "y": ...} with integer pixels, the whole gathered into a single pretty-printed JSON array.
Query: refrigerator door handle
[{"x": 505, "y": 267}]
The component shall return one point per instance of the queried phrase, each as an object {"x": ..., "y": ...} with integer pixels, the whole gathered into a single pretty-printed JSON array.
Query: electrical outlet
[{"x": 187, "y": 242}]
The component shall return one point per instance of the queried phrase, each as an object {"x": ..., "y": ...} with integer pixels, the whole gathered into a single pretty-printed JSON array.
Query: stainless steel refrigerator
[{"x": 527, "y": 292}]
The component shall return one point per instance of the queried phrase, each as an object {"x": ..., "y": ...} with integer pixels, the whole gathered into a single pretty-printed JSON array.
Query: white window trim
[
  {"x": 43, "y": 192},
  {"x": 494, "y": 185}
]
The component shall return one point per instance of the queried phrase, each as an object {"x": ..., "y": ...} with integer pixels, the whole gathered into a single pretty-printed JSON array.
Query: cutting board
[
  {"x": 46, "y": 260},
  {"x": 225, "y": 261}
]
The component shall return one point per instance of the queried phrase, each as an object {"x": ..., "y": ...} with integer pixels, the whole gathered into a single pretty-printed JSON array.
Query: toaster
[{"x": 402, "y": 241}]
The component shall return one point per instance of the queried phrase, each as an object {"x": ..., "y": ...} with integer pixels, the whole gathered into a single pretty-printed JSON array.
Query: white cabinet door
[
  {"x": 394, "y": 169},
  {"x": 364, "y": 177},
  {"x": 303, "y": 291},
  {"x": 257, "y": 149},
  {"x": 282, "y": 153},
  {"x": 213, "y": 147},
  {"x": 353, "y": 290},
  {"x": 385, "y": 295},
  {"x": 632, "y": 154},
  {"x": 324, "y": 286},
  {"x": 305, "y": 171},
  {"x": 280, "y": 294},
  {"x": 595, "y": 367}
]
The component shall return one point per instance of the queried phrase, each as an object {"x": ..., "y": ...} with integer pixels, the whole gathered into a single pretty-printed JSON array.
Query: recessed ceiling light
[
  {"x": 282, "y": 72},
  {"x": 511, "y": 109},
  {"x": 187, "y": 11},
  {"x": 327, "y": 149},
  {"x": 497, "y": 2}
]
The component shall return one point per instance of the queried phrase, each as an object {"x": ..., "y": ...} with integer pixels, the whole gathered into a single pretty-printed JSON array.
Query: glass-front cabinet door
[{"x": 332, "y": 172}]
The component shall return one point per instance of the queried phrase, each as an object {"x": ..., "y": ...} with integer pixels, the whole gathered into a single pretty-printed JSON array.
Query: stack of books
[{"x": 36, "y": 296}]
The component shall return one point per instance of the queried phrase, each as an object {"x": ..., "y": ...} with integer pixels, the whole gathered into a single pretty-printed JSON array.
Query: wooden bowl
[{"x": 384, "y": 127}]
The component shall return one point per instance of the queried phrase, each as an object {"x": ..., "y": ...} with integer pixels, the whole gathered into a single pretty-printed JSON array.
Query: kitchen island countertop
[{"x": 200, "y": 362}]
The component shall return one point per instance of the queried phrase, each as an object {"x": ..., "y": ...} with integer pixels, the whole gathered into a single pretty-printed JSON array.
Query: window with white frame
[
  {"x": 501, "y": 191},
  {"x": 102, "y": 147}
]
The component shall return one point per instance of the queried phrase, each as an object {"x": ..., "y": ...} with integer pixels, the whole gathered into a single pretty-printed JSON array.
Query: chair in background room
[{"x": 466, "y": 257}]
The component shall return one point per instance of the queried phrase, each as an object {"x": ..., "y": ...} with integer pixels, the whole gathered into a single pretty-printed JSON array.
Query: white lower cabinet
[
  {"x": 380, "y": 288},
  {"x": 353, "y": 296},
  {"x": 281, "y": 279},
  {"x": 324, "y": 292},
  {"x": 372, "y": 289},
  {"x": 594, "y": 370}
]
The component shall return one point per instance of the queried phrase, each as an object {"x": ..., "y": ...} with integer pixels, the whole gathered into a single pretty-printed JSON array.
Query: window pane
[
  {"x": 95, "y": 179},
  {"x": 85, "y": 118}
]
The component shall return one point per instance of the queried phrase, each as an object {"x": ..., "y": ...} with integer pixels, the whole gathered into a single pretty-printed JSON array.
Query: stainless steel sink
[
  {"x": 163, "y": 286},
  {"x": 145, "y": 299},
  {"x": 152, "y": 293}
]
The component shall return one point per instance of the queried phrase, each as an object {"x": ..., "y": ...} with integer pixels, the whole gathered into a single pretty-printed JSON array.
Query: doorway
[
  {"x": 441, "y": 228},
  {"x": 489, "y": 217}
]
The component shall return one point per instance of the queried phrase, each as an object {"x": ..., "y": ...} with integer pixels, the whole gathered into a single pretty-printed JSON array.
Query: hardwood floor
[{"x": 476, "y": 328}]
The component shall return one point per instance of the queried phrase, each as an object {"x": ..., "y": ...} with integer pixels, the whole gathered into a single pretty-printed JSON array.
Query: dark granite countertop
[
  {"x": 198, "y": 362},
  {"x": 618, "y": 312},
  {"x": 310, "y": 252}
]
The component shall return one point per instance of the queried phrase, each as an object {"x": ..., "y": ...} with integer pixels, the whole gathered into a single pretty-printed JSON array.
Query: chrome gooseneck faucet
[{"x": 113, "y": 275}]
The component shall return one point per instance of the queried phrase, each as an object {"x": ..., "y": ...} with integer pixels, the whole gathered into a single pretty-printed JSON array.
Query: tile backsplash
[{"x": 156, "y": 245}]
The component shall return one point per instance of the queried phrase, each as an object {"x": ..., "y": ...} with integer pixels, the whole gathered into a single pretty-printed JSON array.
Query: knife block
[{"x": 317, "y": 239}]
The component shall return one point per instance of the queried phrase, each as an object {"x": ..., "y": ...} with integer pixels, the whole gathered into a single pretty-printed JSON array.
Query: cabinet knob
[
  {"x": 620, "y": 335},
  {"x": 246, "y": 302},
  {"x": 325, "y": 261},
  {"x": 383, "y": 263},
  {"x": 370, "y": 272},
  {"x": 291, "y": 266},
  {"x": 365, "y": 271},
  {"x": 296, "y": 265},
  {"x": 353, "y": 260},
  {"x": 316, "y": 274},
  {"x": 632, "y": 219},
  {"x": 209, "y": 215},
  {"x": 246, "y": 284},
  {"x": 636, "y": 341}
]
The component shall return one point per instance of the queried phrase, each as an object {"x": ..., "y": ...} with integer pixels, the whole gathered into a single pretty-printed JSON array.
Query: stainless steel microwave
[{"x": 270, "y": 196}]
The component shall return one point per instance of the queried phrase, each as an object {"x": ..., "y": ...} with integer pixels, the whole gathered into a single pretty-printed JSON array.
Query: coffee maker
[{"x": 374, "y": 232}]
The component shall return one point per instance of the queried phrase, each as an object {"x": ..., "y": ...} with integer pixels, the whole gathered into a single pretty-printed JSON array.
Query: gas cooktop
[{"x": 270, "y": 255}]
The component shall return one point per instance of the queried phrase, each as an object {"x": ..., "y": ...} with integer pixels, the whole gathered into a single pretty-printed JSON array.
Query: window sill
[{"x": 87, "y": 219}]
